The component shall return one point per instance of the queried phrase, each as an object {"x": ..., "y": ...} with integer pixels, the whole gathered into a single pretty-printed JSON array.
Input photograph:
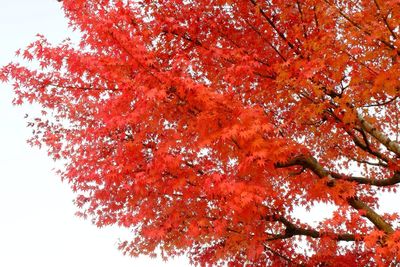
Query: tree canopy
[{"x": 202, "y": 125}]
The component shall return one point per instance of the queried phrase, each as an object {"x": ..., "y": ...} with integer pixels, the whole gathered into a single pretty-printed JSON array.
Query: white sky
[{"x": 37, "y": 222}]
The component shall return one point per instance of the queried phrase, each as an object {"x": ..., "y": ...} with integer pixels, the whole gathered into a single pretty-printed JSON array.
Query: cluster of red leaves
[{"x": 201, "y": 125}]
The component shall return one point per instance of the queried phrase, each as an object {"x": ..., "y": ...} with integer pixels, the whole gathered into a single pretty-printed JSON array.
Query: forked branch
[{"x": 312, "y": 164}]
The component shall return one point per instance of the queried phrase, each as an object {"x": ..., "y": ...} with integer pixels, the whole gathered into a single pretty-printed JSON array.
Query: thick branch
[
  {"x": 363, "y": 145},
  {"x": 312, "y": 164},
  {"x": 366, "y": 146},
  {"x": 307, "y": 162},
  {"x": 395, "y": 179},
  {"x": 371, "y": 215},
  {"x": 293, "y": 230},
  {"x": 380, "y": 136}
]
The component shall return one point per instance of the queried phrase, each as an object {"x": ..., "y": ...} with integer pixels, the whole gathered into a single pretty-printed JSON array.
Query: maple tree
[{"x": 203, "y": 124}]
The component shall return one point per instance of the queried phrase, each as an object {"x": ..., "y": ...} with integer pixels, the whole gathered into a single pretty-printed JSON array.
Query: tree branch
[
  {"x": 386, "y": 22},
  {"x": 266, "y": 40},
  {"x": 282, "y": 256},
  {"x": 302, "y": 18},
  {"x": 376, "y": 219},
  {"x": 272, "y": 24},
  {"x": 379, "y": 163},
  {"x": 312, "y": 164},
  {"x": 380, "y": 136},
  {"x": 395, "y": 179},
  {"x": 364, "y": 146},
  {"x": 293, "y": 230},
  {"x": 358, "y": 26}
]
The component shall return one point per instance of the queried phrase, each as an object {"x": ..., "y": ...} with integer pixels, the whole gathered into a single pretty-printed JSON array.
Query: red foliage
[{"x": 201, "y": 125}]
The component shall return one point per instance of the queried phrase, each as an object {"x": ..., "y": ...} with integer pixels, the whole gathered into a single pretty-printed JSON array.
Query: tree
[{"x": 203, "y": 125}]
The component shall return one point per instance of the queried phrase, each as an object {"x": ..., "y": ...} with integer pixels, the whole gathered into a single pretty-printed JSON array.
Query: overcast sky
[{"x": 37, "y": 222}]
